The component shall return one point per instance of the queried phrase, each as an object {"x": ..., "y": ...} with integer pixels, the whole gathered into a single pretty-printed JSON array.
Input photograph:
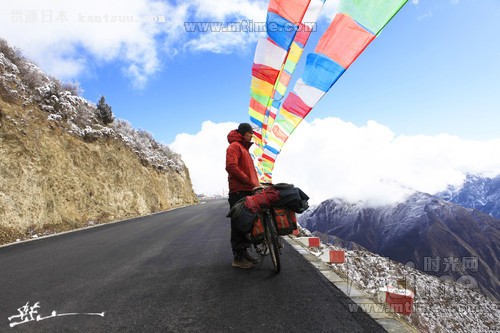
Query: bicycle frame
[{"x": 272, "y": 240}]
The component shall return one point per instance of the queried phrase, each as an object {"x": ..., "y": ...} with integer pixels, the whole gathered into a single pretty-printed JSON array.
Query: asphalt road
[{"x": 169, "y": 272}]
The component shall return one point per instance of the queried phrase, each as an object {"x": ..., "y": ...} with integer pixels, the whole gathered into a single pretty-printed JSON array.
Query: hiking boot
[
  {"x": 241, "y": 262},
  {"x": 249, "y": 257}
]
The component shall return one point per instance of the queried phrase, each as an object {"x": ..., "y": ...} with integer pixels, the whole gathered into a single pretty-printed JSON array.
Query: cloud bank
[
  {"x": 331, "y": 158},
  {"x": 66, "y": 38}
]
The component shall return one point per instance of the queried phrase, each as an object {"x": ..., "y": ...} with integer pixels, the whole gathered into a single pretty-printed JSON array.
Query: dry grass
[{"x": 52, "y": 181}]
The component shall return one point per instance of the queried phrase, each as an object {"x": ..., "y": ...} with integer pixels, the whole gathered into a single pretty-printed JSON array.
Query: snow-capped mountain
[
  {"x": 437, "y": 236},
  {"x": 477, "y": 192},
  {"x": 440, "y": 305}
]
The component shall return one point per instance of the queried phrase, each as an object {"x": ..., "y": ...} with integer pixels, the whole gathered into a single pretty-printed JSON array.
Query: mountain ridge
[
  {"x": 62, "y": 168},
  {"x": 481, "y": 193},
  {"x": 421, "y": 229}
]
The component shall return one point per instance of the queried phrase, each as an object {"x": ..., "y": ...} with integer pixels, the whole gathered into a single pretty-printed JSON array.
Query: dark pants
[{"x": 239, "y": 241}]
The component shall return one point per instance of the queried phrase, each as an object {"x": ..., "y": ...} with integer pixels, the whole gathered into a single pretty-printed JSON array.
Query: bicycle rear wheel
[{"x": 271, "y": 237}]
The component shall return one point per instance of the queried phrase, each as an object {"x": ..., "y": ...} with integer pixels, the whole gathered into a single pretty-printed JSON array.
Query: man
[{"x": 242, "y": 179}]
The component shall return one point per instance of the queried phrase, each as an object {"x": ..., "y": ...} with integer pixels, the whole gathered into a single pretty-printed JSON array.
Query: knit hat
[{"x": 244, "y": 128}]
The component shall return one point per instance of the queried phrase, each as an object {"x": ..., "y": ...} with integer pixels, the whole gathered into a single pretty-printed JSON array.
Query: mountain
[
  {"x": 439, "y": 305},
  {"x": 63, "y": 166},
  {"x": 436, "y": 236},
  {"x": 477, "y": 192}
]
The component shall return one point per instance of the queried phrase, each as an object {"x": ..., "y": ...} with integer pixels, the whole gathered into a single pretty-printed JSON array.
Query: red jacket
[{"x": 239, "y": 164}]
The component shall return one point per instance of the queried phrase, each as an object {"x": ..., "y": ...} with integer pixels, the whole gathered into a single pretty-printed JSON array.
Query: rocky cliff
[{"x": 61, "y": 169}]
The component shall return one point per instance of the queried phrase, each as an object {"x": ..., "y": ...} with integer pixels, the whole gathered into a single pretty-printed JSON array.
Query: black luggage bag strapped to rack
[{"x": 284, "y": 199}]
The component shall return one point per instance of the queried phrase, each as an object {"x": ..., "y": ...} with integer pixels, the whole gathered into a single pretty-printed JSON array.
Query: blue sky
[{"x": 434, "y": 70}]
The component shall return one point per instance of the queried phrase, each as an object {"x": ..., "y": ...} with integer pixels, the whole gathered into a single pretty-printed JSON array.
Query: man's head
[{"x": 246, "y": 131}]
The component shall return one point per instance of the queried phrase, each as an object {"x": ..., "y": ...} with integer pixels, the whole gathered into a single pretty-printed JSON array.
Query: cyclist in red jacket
[{"x": 242, "y": 179}]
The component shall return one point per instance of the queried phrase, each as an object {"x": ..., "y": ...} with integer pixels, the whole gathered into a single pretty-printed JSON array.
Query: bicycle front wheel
[{"x": 271, "y": 237}]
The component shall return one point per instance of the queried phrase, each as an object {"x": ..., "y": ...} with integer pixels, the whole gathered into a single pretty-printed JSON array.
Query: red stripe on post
[
  {"x": 314, "y": 242},
  {"x": 400, "y": 303},
  {"x": 337, "y": 257}
]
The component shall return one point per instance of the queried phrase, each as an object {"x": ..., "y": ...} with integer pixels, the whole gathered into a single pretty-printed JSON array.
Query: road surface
[{"x": 169, "y": 272}]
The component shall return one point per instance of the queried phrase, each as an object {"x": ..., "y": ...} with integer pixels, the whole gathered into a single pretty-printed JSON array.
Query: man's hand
[{"x": 257, "y": 189}]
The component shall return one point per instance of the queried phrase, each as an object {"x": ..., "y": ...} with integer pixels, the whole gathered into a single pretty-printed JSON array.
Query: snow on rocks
[
  {"x": 438, "y": 306},
  {"x": 54, "y": 117},
  {"x": 27, "y": 83}
]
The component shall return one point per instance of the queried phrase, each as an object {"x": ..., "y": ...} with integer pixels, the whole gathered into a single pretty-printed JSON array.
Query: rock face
[
  {"x": 54, "y": 178},
  {"x": 477, "y": 192},
  {"x": 438, "y": 237}
]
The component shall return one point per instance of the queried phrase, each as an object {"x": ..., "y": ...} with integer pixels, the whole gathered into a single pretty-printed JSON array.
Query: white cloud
[
  {"x": 424, "y": 16},
  {"x": 225, "y": 12},
  {"x": 66, "y": 37},
  {"x": 222, "y": 9},
  {"x": 329, "y": 10},
  {"x": 205, "y": 155},
  {"x": 332, "y": 158},
  {"x": 221, "y": 42}
]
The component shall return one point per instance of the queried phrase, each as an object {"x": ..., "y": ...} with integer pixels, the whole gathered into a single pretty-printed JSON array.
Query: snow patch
[{"x": 439, "y": 305}]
